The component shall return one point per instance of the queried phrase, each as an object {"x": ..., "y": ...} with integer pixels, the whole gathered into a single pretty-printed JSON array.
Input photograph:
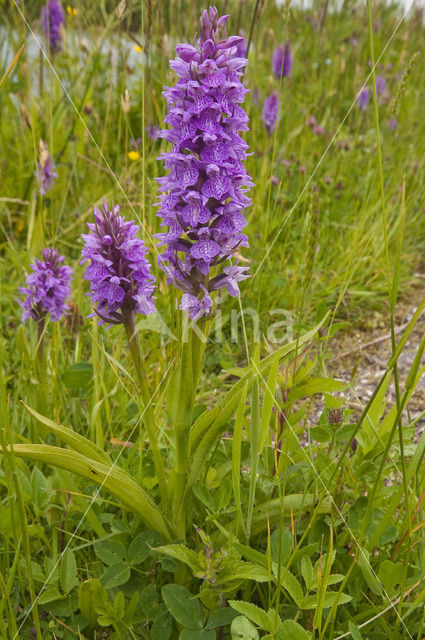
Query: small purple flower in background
[
  {"x": 270, "y": 112},
  {"x": 152, "y": 131},
  {"x": 135, "y": 143},
  {"x": 45, "y": 173},
  {"x": 392, "y": 124},
  {"x": 363, "y": 98},
  {"x": 207, "y": 182},
  {"x": 119, "y": 273},
  {"x": 282, "y": 61},
  {"x": 47, "y": 288},
  {"x": 381, "y": 85},
  {"x": 53, "y": 19},
  {"x": 316, "y": 128}
]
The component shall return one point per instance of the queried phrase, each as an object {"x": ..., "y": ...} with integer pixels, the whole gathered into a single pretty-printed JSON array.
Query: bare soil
[{"x": 361, "y": 357}]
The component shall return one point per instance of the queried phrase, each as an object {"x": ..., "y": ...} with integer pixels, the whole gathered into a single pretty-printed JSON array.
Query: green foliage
[{"x": 238, "y": 507}]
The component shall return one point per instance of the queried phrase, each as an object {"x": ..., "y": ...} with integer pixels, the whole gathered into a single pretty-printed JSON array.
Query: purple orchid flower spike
[
  {"x": 52, "y": 17},
  {"x": 46, "y": 170},
  {"x": 204, "y": 194},
  {"x": 47, "y": 288},
  {"x": 381, "y": 85},
  {"x": 270, "y": 113},
  {"x": 119, "y": 273},
  {"x": 282, "y": 61},
  {"x": 363, "y": 98}
]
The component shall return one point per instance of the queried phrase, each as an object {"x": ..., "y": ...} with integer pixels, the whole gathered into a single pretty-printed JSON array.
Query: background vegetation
[{"x": 322, "y": 540}]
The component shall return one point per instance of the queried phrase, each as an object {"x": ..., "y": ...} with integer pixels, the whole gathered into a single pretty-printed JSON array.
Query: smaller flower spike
[
  {"x": 53, "y": 18},
  {"x": 45, "y": 173},
  {"x": 271, "y": 112},
  {"x": 119, "y": 273},
  {"x": 363, "y": 98},
  {"x": 282, "y": 61},
  {"x": 47, "y": 288}
]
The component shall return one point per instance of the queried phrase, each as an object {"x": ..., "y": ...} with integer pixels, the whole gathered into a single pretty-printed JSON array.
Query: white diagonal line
[
  {"x": 331, "y": 142},
  {"x": 331, "y": 498}
]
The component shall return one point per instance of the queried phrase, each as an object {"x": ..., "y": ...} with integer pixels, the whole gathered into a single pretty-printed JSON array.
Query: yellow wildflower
[{"x": 133, "y": 155}]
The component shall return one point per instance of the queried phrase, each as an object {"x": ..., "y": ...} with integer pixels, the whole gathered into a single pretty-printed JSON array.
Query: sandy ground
[{"x": 361, "y": 356}]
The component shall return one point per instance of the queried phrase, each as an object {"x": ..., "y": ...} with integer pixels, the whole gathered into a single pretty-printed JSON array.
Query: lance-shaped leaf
[
  {"x": 115, "y": 480},
  {"x": 202, "y": 446},
  {"x": 73, "y": 439}
]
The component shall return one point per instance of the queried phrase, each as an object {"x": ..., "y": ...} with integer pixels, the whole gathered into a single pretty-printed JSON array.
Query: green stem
[
  {"x": 182, "y": 423},
  {"x": 392, "y": 293},
  {"x": 148, "y": 414},
  {"x": 189, "y": 373}
]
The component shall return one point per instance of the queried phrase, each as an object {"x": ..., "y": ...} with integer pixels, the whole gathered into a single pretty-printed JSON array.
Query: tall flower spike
[
  {"x": 53, "y": 19},
  {"x": 271, "y": 112},
  {"x": 363, "y": 98},
  {"x": 119, "y": 273},
  {"x": 46, "y": 170},
  {"x": 282, "y": 61},
  {"x": 204, "y": 194},
  {"x": 47, "y": 288}
]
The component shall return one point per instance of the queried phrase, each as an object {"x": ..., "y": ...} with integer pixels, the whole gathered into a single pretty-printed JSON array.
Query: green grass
[{"x": 325, "y": 538}]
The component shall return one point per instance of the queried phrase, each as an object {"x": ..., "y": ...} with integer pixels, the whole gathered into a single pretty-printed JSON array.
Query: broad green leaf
[
  {"x": 293, "y": 587},
  {"x": 132, "y": 608},
  {"x": 369, "y": 575},
  {"x": 49, "y": 595},
  {"x": 183, "y": 554},
  {"x": 220, "y": 617},
  {"x": 354, "y": 631},
  {"x": 40, "y": 494},
  {"x": 391, "y": 574},
  {"x": 281, "y": 540},
  {"x": 141, "y": 546},
  {"x": 260, "y": 617},
  {"x": 271, "y": 510},
  {"x": 243, "y": 629},
  {"x": 118, "y": 606},
  {"x": 149, "y": 601},
  {"x": 110, "y": 551},
  {"x": 246, "y": 571},
  {"x": 344, "y": 433},
  {"x": 203, "y": 494},
  {"x": 115, "y": 480},
  {"x": 162, "y": 627},
  {"x": 317, "y": 385},
  {"x": 197, "y": 634},
  {"x": 115, "y": 575},
  {"x": 68, "y": 571},
  {"x": 183, "y": 606},
  {"x": 70, "y": 437},
  {"x": 291, "y": 630},
  {"x": 201, "y": 425},
  {"x": 307, "y": 572},
  {"x": 321, "y": 433},
  {"x": 78, "y": 375},
  {"x": 89, "y": 597},
  {"x": 330, "y": 599}
]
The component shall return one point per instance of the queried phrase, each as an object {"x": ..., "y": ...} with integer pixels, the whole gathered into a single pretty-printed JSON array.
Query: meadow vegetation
[{"x": 166, "y": 478}]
